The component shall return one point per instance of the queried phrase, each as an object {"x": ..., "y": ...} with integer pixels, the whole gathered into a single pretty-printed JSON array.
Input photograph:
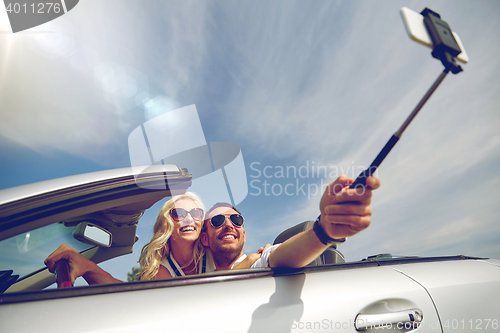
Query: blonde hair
[{"x": 159, "y": 246}]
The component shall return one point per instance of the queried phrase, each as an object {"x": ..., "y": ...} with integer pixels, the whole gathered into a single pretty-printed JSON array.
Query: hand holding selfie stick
[{"x": 445, "y": 48}]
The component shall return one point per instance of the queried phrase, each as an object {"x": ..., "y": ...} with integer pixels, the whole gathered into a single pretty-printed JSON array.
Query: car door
[
  {"x": 340, "y": 298},
  {"x": 465, "y": 292}
]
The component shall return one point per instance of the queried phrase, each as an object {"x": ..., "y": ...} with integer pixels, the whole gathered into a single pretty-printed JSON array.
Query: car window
[{"x": 26, "y": 252}]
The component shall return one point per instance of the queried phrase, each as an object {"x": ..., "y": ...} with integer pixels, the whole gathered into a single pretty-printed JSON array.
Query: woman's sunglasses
[
  {"x": 218, "y": 220},
  {"x": 179, "y": 214}
]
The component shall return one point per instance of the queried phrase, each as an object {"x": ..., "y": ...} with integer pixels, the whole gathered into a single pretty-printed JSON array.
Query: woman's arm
[
  {"x": 163, "y": 273},
  {"x": 251, "y": 258}
]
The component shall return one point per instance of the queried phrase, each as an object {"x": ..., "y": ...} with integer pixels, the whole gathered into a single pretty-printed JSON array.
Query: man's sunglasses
[
  {"x": 218, "y": 220},
  {"x": 179, "y": 214}
]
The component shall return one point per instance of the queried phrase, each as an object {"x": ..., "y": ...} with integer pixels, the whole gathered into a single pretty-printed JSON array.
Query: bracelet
[{"x": 322, "y": 236}]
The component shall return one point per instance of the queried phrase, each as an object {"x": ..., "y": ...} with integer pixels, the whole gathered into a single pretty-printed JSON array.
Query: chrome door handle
[{"x": 410, "y": 318}]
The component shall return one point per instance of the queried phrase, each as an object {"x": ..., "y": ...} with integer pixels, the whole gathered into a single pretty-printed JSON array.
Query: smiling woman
[{"x": 175, "y": 249}]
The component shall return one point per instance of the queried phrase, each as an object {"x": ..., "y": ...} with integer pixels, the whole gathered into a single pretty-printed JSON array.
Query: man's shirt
[{"x": 262, "y": 262}]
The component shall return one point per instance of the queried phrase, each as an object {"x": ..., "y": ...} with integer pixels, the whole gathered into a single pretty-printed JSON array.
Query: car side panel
[
  {"x": 315, "y": 301},
  {"x": 466, "y": 293}
]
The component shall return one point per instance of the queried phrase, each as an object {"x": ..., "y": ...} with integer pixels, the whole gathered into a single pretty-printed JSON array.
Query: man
[{"x": 344, "y": 213}]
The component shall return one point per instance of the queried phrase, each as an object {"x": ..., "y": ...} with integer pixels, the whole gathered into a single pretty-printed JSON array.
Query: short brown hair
[{"x": 221, "y": 204}]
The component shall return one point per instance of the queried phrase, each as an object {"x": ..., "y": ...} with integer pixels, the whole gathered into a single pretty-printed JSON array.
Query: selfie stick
[{"x": 445, "y": 49}]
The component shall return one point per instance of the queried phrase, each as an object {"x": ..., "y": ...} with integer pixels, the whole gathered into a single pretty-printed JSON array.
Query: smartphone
[{"x": 415, "y": 27}]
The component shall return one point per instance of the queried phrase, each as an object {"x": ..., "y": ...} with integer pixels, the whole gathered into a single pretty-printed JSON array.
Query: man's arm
[
  {"x": 79, "y": 266},
  {"x": 338, "y": 221}
]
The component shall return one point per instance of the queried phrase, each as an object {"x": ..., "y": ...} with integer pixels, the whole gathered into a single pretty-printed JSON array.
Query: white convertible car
[{"x": 399, "y": 294}]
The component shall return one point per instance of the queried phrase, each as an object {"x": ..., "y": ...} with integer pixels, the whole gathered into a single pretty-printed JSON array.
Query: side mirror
[{"x": 89, "y": 233}]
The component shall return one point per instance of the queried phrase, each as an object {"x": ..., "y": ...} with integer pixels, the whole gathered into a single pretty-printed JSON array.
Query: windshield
[{"x": 25, "y": 253}]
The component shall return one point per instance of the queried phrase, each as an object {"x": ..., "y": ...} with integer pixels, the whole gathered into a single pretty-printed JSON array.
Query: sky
[{"x": 297, "y": 85}]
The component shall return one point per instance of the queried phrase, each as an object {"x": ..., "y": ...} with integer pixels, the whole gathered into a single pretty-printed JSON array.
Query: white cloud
[
  {"x": 355, "y": 104},
  {"x": 50, "y": 102}
]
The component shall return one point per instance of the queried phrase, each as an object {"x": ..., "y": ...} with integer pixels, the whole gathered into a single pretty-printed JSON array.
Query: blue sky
[{"x": 294, "y": 84}]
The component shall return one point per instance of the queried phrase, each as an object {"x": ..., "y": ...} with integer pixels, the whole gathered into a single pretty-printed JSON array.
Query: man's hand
[
  {"x": 78, "y": 264},
  {"x": 344, "y": 211}
]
